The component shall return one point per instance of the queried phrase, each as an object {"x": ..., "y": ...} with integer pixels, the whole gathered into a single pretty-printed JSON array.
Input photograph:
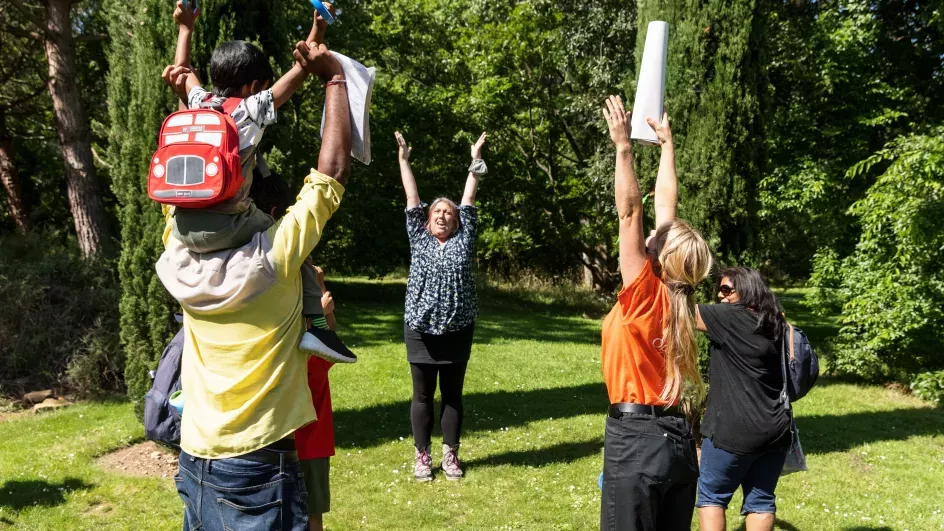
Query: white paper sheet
[
  {"x": 360, "y": 87},
  {"x": 650, "y": 90}
]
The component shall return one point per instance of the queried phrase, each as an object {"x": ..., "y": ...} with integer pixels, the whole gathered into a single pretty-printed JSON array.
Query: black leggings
[{"x": 451, "y": 379}]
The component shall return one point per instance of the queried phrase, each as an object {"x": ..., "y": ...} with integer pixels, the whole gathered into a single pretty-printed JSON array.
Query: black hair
[
  {"x": 235, "y": 64},
  {"x": 270, "y": 192},
  {"x": 754, "y": 293}
]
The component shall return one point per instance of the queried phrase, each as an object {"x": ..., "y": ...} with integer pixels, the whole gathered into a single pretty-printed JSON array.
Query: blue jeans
[
  {"x": 722, "y": 472},
  {"x": 232, "y": 494}
]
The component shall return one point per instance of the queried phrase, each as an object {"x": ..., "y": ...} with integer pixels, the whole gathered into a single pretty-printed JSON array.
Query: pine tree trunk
[
  {"x": 11, "y": 178},
  {"x": 88, "y": 211}
]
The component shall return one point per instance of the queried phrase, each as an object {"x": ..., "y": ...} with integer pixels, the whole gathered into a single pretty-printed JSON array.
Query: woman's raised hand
[
  {"x": 477, "y": 147},
  {"x": 618, "y": 121},
  {"x": 663, "y": 130},
  {"x": 404, "y": 151}
]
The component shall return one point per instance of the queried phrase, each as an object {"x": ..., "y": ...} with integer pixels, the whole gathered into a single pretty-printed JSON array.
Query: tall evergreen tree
[{"x": 715, "y": 96}]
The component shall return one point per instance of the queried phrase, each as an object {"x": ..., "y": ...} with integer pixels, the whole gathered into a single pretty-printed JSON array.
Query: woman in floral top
[{"x": 440, "y": 311}]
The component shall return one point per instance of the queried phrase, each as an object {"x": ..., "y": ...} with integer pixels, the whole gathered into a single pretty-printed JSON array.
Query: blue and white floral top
[{"x": 440, "y": 291}]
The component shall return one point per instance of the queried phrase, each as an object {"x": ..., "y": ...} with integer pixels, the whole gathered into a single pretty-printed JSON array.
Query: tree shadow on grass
[
  {"x": 20, "y": 494},
  {"x": 372, "y": 314},
  {"x": 375, "y": 425},
  {"x": 538, "y": 457},
  {"x": 821, "y": 434}
]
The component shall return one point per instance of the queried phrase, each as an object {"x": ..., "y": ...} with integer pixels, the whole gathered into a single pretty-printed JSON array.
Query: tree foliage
[
  {"x": 716, "y": 87},
  {"x": 890, "y": 287},
  {"x": 846, "y": 78},
  {"x": 773, "y": 105}
]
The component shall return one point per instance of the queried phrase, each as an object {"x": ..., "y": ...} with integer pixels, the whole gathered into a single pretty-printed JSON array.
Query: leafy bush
[
  {"x": 929, "y": 386},
  {"x": 890, "y": 287},
  {"x": 59, "y": 320}
]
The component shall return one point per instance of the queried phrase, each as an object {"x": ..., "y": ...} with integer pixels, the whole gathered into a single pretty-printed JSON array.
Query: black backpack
[
  {"x": 161, "y": 420},
  {"x": 800, "y": 364}
]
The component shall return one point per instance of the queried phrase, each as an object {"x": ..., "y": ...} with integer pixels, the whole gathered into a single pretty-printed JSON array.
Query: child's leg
[
  {"x": 319, "y": 340},
  {"x": 318, "y": 485},
  {"x": 311, "y": 296}
]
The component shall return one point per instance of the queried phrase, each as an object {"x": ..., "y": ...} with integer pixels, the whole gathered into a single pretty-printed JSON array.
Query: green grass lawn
[{"x": 532, "y": 444}]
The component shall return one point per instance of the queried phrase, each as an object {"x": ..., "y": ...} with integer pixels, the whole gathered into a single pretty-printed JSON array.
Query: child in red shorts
[{"x": 315, "y": 442}]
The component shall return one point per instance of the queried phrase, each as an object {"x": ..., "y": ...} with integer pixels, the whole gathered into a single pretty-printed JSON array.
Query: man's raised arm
[
  {"x": 334, "y": 160},
  {"x": 299, "y": 231}
]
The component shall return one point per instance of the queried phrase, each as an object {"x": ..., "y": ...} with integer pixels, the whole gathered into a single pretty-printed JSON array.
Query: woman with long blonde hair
[{"x": 649, "y": 351}]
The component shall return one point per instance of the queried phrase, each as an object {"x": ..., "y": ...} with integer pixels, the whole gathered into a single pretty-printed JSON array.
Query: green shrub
[
  {"x": 890, "y": 287},
  {"x": 59, "y": 319},
  {"x": 929, "y": 386}
]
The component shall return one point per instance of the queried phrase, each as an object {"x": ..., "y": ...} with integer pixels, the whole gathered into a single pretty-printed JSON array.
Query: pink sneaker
[
  {"x": 450, "y": 463},
  {"x": 423, "y": 469}
]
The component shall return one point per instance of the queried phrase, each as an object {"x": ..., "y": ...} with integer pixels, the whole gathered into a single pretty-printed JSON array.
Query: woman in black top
[
  {"x": 440, "y": 310},
  {"x": 746, "y": 427}
]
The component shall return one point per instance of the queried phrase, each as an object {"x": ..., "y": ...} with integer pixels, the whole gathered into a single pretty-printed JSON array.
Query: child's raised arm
[
  {"x": 320, "y": 26},
  {"x": 185, "y": 17},
  {"x": 283, "y": 89}
]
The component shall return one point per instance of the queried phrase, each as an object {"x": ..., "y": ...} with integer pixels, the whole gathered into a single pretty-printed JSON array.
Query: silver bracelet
[{"x": 478, "y": 167}]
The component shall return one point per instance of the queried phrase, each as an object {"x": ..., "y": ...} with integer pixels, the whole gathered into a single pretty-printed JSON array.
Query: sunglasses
[{"x": 726, "y": 290}]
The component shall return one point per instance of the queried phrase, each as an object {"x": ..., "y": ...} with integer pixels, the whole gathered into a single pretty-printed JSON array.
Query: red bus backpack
[{"x": 196, "y": 164}]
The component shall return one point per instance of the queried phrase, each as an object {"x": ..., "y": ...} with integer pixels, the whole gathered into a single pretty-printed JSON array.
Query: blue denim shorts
[
  {"x": 723, "y": 472},
  {"x": 221, "y": 494}
]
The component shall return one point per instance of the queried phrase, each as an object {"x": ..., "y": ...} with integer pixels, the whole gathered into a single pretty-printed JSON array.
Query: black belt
[
  {"x": 617, "y": 410},
  {"x": 275, "y": 454}
]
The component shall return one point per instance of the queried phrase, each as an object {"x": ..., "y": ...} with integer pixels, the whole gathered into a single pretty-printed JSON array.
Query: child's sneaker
[
  {"x": 423, "y": 469},
  {"x": 326, "y": 345},
  {"x": 450, "y": 463}
]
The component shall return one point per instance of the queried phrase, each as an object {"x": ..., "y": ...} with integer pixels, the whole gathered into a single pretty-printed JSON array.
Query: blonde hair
[
  {"x": 452, "y": 205},
  {"x": 685, "y": 260}
]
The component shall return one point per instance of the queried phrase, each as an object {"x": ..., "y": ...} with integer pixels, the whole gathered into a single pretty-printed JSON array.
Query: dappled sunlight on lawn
[{"x": 532, "y": 439}]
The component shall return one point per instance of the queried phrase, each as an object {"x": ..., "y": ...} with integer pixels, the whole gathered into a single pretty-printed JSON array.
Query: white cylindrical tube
[{"x": 650, "y": 89}]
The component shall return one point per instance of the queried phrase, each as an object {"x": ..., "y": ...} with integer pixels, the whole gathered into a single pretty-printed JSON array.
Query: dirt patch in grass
[{"x": 147, "y": 459}]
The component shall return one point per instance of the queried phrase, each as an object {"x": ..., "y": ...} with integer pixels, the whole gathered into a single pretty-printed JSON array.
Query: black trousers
[
  {"x": 650, "y": 474},
  {"x": 451, "y": 379}
]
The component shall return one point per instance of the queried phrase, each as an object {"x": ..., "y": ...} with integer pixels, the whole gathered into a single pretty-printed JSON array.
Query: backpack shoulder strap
[
  {"x": 784, "y": 394},
  {"x": 230, "y": 104},
  {"x": 792, "y": 349}
]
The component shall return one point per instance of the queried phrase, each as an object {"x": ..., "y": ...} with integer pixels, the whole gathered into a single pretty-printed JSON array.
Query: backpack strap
[
  {"x": 230, "y": 104},
  {"x": 784, "y": 395},
  {"x": 212, "y": 101},
  {"x": 792, "y": 350},
  {"x": 221, "y": 104}
]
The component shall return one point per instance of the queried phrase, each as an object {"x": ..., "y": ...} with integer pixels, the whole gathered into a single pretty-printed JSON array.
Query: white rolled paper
[{"x": 650, "y": 90}]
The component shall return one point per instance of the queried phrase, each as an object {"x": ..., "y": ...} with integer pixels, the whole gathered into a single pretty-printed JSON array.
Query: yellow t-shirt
[{"x": 244, "y": 380}]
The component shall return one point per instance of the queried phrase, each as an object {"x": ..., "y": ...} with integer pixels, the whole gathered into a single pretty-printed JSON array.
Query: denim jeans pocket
[
  {"x": 188, "y": 491},
  {"x": 247, "y": 512}
]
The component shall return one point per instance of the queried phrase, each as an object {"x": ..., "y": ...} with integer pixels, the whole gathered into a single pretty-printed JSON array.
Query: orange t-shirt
[{"x": 633, "y": 360}]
